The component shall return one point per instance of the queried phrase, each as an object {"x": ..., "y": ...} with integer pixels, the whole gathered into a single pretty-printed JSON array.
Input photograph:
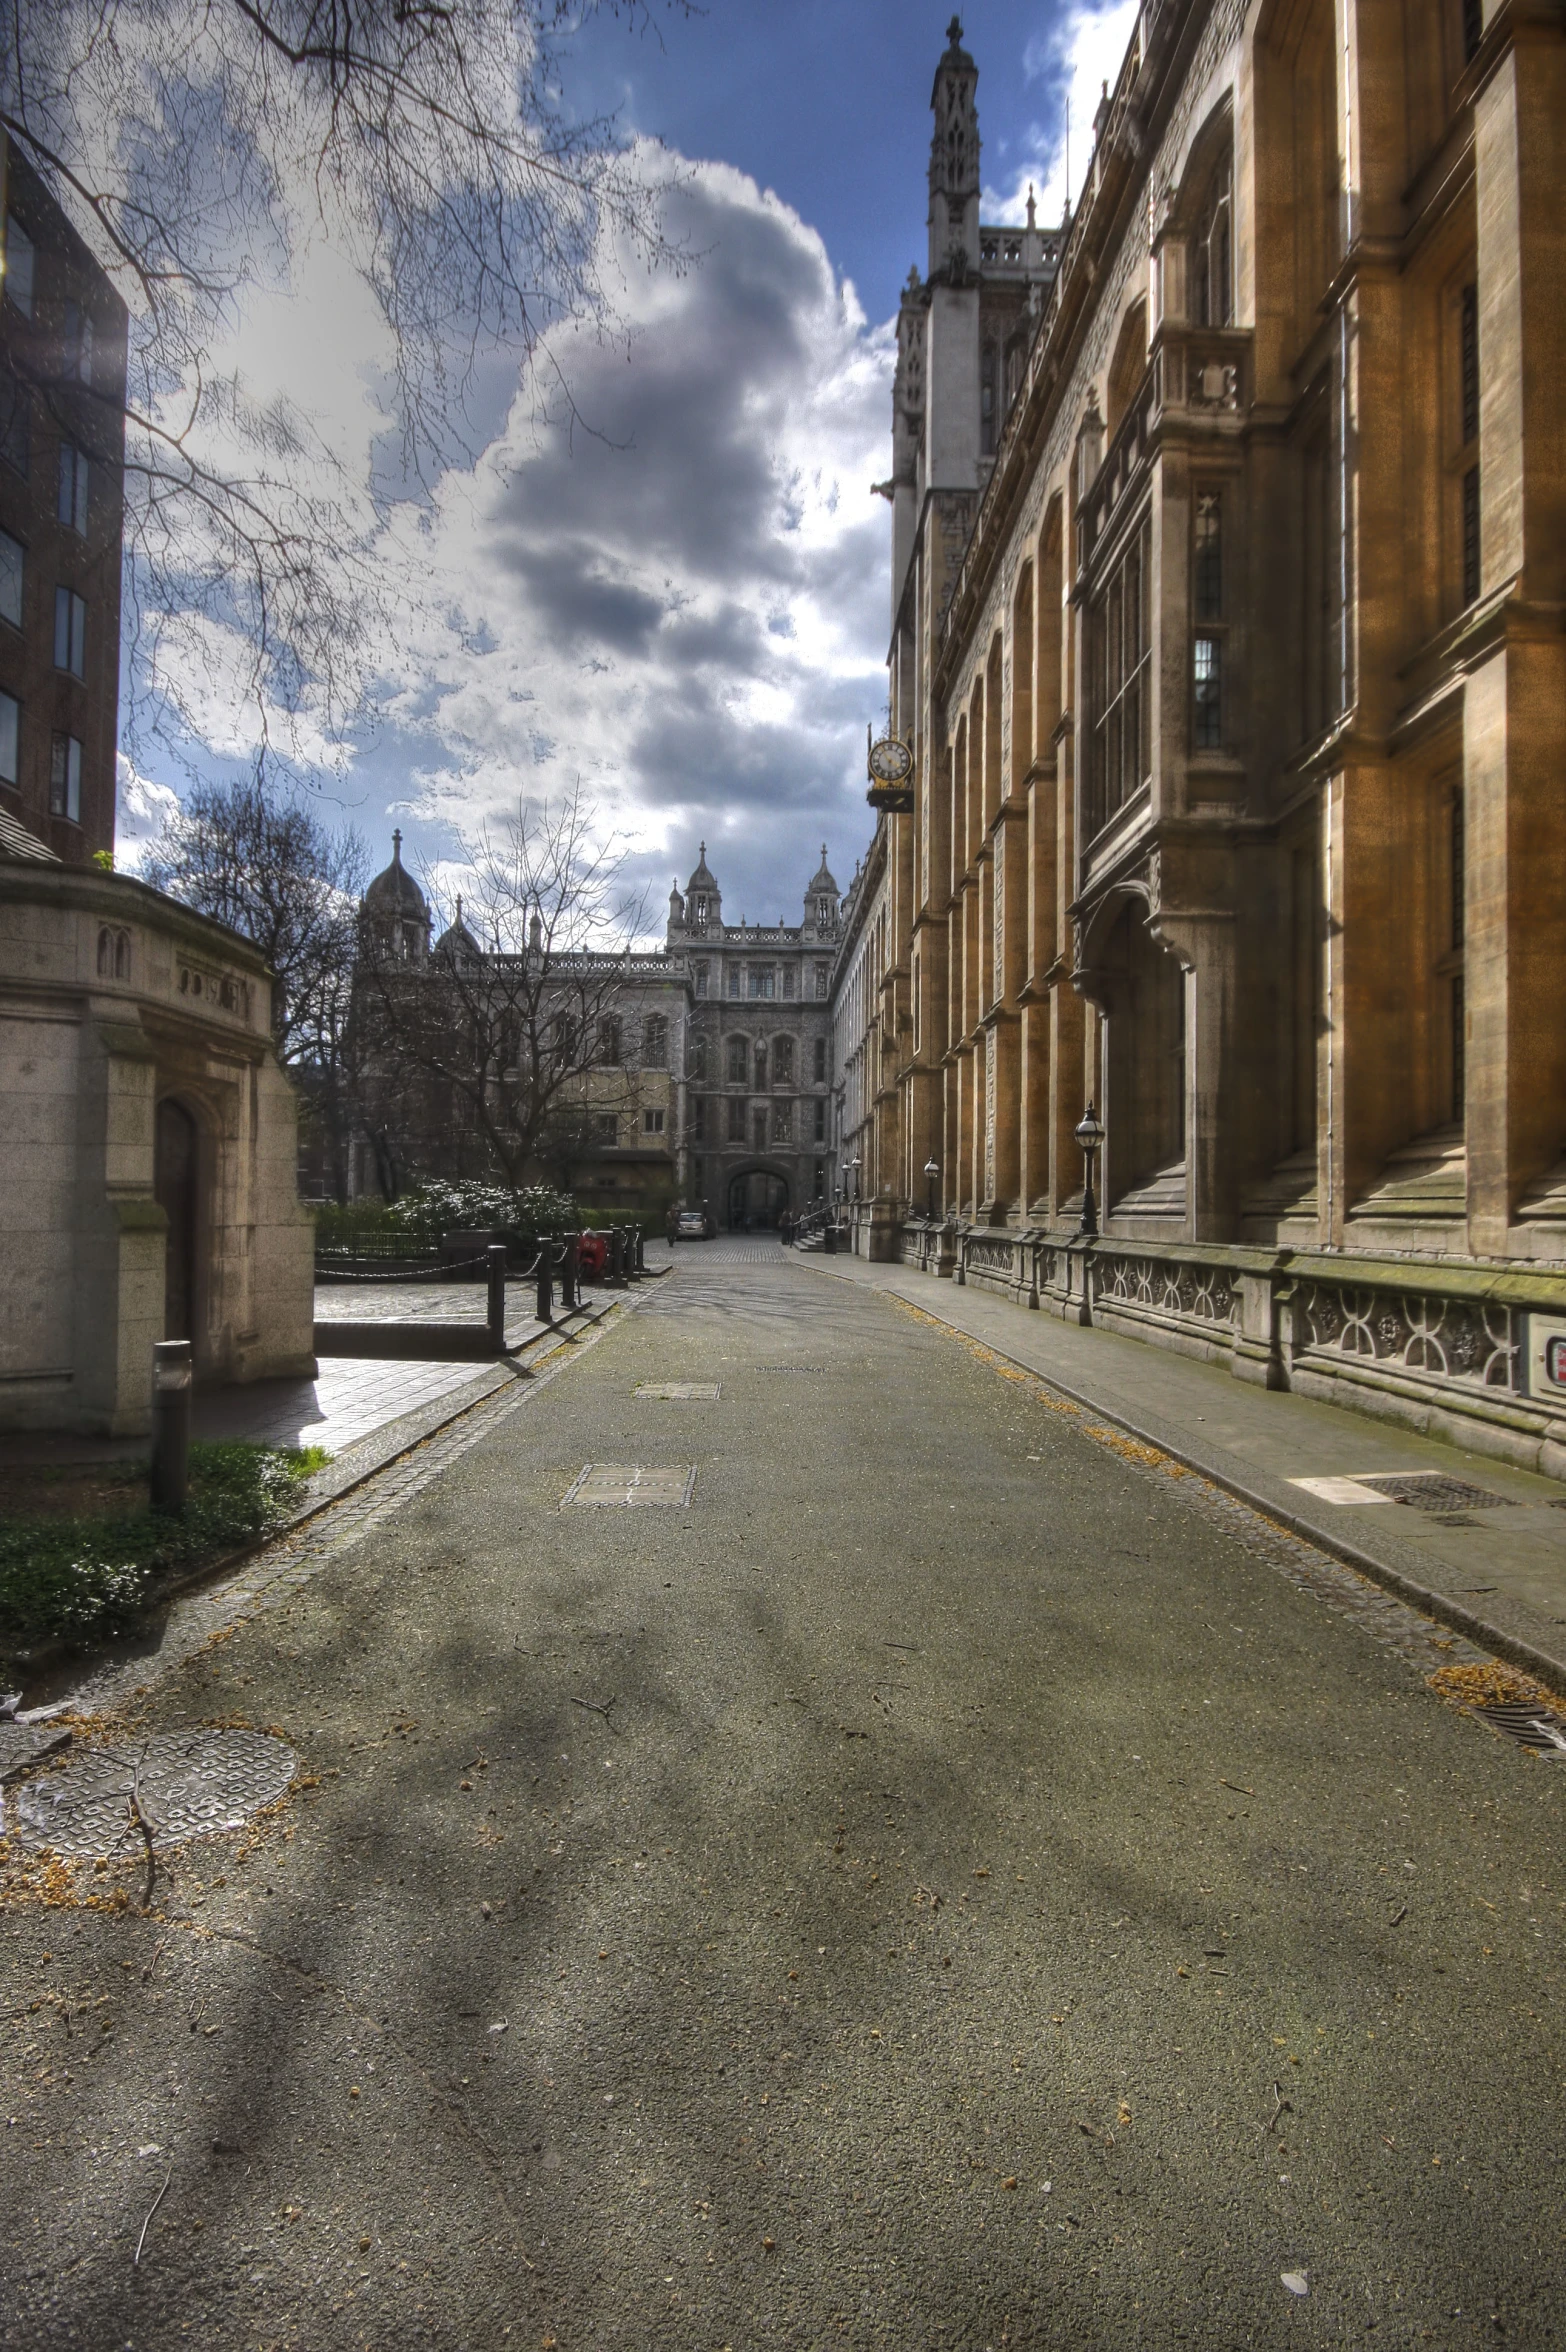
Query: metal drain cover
[
  {"x": 187, "y": 1783},
  {"x": 1533, "y": 1727},
  {"x": 22, "y": 1745},
  {"x": 677, "y": 1392},
  {"x": 1432, "y": 1490},
  {"x": 629, "y": 1484}
]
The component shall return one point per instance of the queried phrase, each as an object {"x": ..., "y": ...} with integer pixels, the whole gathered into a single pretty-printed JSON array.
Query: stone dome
[{"x": 395, "y": 892}]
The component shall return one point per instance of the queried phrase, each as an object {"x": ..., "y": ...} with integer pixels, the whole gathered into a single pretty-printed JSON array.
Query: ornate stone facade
[{"x": 1238, "y": 722}]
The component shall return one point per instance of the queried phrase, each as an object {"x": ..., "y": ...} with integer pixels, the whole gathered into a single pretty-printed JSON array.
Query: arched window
[
  {"x": 739, "y": 1060},
  {"x": 113, "y": 953},
  {"x": 1212, "y": 271}
]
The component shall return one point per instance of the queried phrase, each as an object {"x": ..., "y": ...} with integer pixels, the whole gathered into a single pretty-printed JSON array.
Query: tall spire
[{"x": 954, "y": 164}]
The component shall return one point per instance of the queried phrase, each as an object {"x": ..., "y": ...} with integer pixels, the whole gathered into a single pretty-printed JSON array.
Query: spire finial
[
  {"x": 954, "y": 32},
  {"x": 1032, "y": 219},
  {"x": 704, "y": 849},
  {"x": 397, "y": 846}
]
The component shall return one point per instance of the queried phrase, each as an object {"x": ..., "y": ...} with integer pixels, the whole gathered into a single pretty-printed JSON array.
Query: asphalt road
[{"x": 954, "y": 1884}]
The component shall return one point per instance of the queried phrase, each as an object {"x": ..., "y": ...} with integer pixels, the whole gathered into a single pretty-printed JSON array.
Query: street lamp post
[
  {"x": 854, "y": 1167},
  {"x": 932, "y": 1169},
  {"x": 1090, "y": 1134}
]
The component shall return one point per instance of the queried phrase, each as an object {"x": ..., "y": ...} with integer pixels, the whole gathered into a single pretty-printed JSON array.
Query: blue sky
[{"x": 690, "y": 613}]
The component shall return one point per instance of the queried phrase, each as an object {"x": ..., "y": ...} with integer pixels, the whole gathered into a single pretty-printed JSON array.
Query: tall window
[
  {"x": 736, "y": 1118},
  {"x": 823, "y": 979},
  {"x": 70, "y": 632},
  {"x": 783, "y": 1062},
  {"x": 609, "y": 1042},
  {"x": 10, "y": 739},
  {"x": 821, "y": 1120},
  {"x": 821, "y": 1046},
  {"x": 734, "y": 979},
  {"x": 1120, "y": 750},
  {"x": 72, "y": 504},
  {"x": 13, "y": 571},
  {"x": 1212, "y": 270},
  {"x": 1208, "y": 567},
  {"x": 65, "y": 778},
  {"x": 18, "y": 265},
  {"x": 790, "y": 980},
  {"x": 739, "y": 1060},
  {"x": 698, "y": 1117},
  {"x": 701, "y": 978},
  {"x": 78, "y": 343},
  {"x": 13, "y": 424},
  {"x": 699, "y": 911},
  {"x": 1468, "y": 368},
  {"x": 763, "y": 980},
  {"x": 987, "y": 400},
  {"x": 823, "y": 914},
  {"x": 783, "y": 1122},
  {"x": 761, "y": 1063},
  {"x": 1207, "y": 692},
  {"x": 655, "y": 1042}
]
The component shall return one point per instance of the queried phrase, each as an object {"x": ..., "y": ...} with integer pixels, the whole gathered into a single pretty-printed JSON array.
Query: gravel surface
[{"x": 957, "y": 1883}]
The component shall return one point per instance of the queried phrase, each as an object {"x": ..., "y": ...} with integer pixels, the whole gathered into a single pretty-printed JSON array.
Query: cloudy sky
[{"x": 681, "y": 598}]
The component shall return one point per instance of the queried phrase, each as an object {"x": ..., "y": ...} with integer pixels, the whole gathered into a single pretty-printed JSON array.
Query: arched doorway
[
  {"x": 175, "y": 1187},
  {"x": 757, "y": 1199}
]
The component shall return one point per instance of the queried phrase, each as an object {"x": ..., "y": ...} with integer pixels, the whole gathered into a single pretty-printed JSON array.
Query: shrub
[
  {"x": 82, "y": 1580},
  {"x": 416, "y": 1225}
]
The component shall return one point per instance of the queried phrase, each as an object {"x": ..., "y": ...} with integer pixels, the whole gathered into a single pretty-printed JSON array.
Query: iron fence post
[
  {"x": 546, "y": 1285},
  {"x": 568, "y": 1297},
  {"x": 495, "y": 1269},
  {"x": 171, "y": 1393}
]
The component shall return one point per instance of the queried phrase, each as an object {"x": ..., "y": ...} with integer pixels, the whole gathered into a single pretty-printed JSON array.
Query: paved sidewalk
[{"x": 1497, "y": 1571}]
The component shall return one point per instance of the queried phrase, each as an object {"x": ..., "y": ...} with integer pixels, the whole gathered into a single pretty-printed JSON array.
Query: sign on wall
[{"x": 1547, "y": 1358}]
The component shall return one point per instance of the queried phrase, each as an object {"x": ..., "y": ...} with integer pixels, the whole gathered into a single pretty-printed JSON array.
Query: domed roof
[
  {"x": 703, "y": 878},
  {"x": 823, "y": 877},
  {"x": 395, "y": 891}
]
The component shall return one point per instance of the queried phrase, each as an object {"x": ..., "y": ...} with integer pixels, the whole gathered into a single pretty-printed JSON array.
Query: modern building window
[
  {"x": 70, "y": 632},
  {"x": 783, "y": 1062},
  {"x": 1208, "y": 581},
  {"x": 72, "y": 505},
  {"x": 783, "y": 1122},
  {"x": 736, "y": 1118},
  {"x": 655, "y": 1042},
  {"x": 739, "y": 1060},
  {"x": 14, "y": 421},
  {"x": 763, "y": 980},
  {"x": 1212, "y": 272},
  {"x": 605, "y": 1127},
  {"x": 821, "y": 1120},
  {"x": 1119, "y": 646},
  {"x": 78, "y": 343},
  {"x": 65, "y": 778},
  {"x": 18, "y": 265},
  {"x": 823, "y": 979},
  {"x": 13, "y": 572},
  {"x": 1207, "y": 683},
  {"x": 10, "y": 739},
  {"x": 652, "y": 1122}
]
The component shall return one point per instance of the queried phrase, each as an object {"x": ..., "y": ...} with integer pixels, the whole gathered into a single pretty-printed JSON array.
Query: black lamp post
[
  {"x": 1090, "y": 1134},
  {"x": 855, "y": 1166},
  {"x": 932, "y": 1169}
]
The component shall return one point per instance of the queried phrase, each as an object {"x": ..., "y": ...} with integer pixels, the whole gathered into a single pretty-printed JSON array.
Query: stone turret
[
  {"x": 822, "y": 901},
  {"x": 954, "y": 165},
  {"x": 397, "y": 912},
  {"x": 703, "y": 899}
]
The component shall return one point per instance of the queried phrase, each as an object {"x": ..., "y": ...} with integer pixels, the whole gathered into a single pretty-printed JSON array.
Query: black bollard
[
  {"x": 495, "y": 1274},
  {"x": 171, "y": 1390},
  {"x": 568, "y": 1298},
  {"x": 616, "y": 1258},
  {"x": 641, "y": 1251},
  {"x": 546, "y": 1286}
]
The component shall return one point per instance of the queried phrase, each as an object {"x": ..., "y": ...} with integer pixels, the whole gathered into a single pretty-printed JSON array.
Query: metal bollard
[
  {"x": 616, "y": 1258},
  {"x": 641, "y": 1251},
  {"x": 546, "y": 1285},
  {"x": 568, "y": 1298},
  {"x": 171, "y": 1389},
  {"x": 495, "y": 1274}
]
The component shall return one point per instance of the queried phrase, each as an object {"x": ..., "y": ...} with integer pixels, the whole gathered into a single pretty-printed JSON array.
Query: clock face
[{"x": 890, "y": 761}]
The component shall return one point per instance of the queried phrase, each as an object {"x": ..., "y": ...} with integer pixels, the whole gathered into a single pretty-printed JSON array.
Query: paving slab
[{"x": 1498, "y": 1568}]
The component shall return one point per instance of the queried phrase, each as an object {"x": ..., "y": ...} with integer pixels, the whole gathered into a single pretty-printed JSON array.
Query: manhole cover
[
  {"x": 187, "y": 1783},
  {"x": 791, "y": 1367},
  {"x": 1533, "y": 1727},
  {"x": 677, "y": 1392},
  {"x": 1432, "y": 1490},
  {"x": 631, "y": 1483}
]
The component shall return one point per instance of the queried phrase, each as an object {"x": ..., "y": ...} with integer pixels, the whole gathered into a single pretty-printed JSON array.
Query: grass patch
[{"x": 82, "y": 1576}]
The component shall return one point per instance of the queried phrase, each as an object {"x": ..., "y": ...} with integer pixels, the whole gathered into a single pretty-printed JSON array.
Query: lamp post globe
[
  {"x": 1089, "y": 1134},
  {"x": 932, "y": 1169}
]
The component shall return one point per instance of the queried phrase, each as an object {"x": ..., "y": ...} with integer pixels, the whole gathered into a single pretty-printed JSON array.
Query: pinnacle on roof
[
  {"x": 703, "y": 878},
  {"x": 395, "y": 891},
  {"x": 823, "y": 877}
]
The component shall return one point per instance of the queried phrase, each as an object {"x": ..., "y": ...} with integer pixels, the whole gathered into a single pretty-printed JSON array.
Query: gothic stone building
[
  {"x": 714, "y": 1084},
  {"x": 1230, "y": 653}
]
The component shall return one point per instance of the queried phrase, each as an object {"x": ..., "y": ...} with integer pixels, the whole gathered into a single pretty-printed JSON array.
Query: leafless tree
[
  {"x": 512, "y": 1032},
  {"x": 199, "y": 146}
]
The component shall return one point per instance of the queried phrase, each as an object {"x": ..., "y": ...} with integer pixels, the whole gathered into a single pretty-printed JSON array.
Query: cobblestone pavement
[{"x": 959, "y": 1881}]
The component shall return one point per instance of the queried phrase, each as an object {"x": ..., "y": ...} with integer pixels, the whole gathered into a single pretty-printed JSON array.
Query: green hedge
[
  {"x": 80, "y": 1580},
  {"x": 416, "y": 1225}
]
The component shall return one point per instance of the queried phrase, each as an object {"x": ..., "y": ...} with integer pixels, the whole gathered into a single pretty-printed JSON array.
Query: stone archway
[
  {"x": 176, "y": 1185},
  {"x": 757, "y": 1198}
]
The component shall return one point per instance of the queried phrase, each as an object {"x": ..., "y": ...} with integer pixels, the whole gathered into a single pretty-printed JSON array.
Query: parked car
[{"x": 692, "y": 1225}]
